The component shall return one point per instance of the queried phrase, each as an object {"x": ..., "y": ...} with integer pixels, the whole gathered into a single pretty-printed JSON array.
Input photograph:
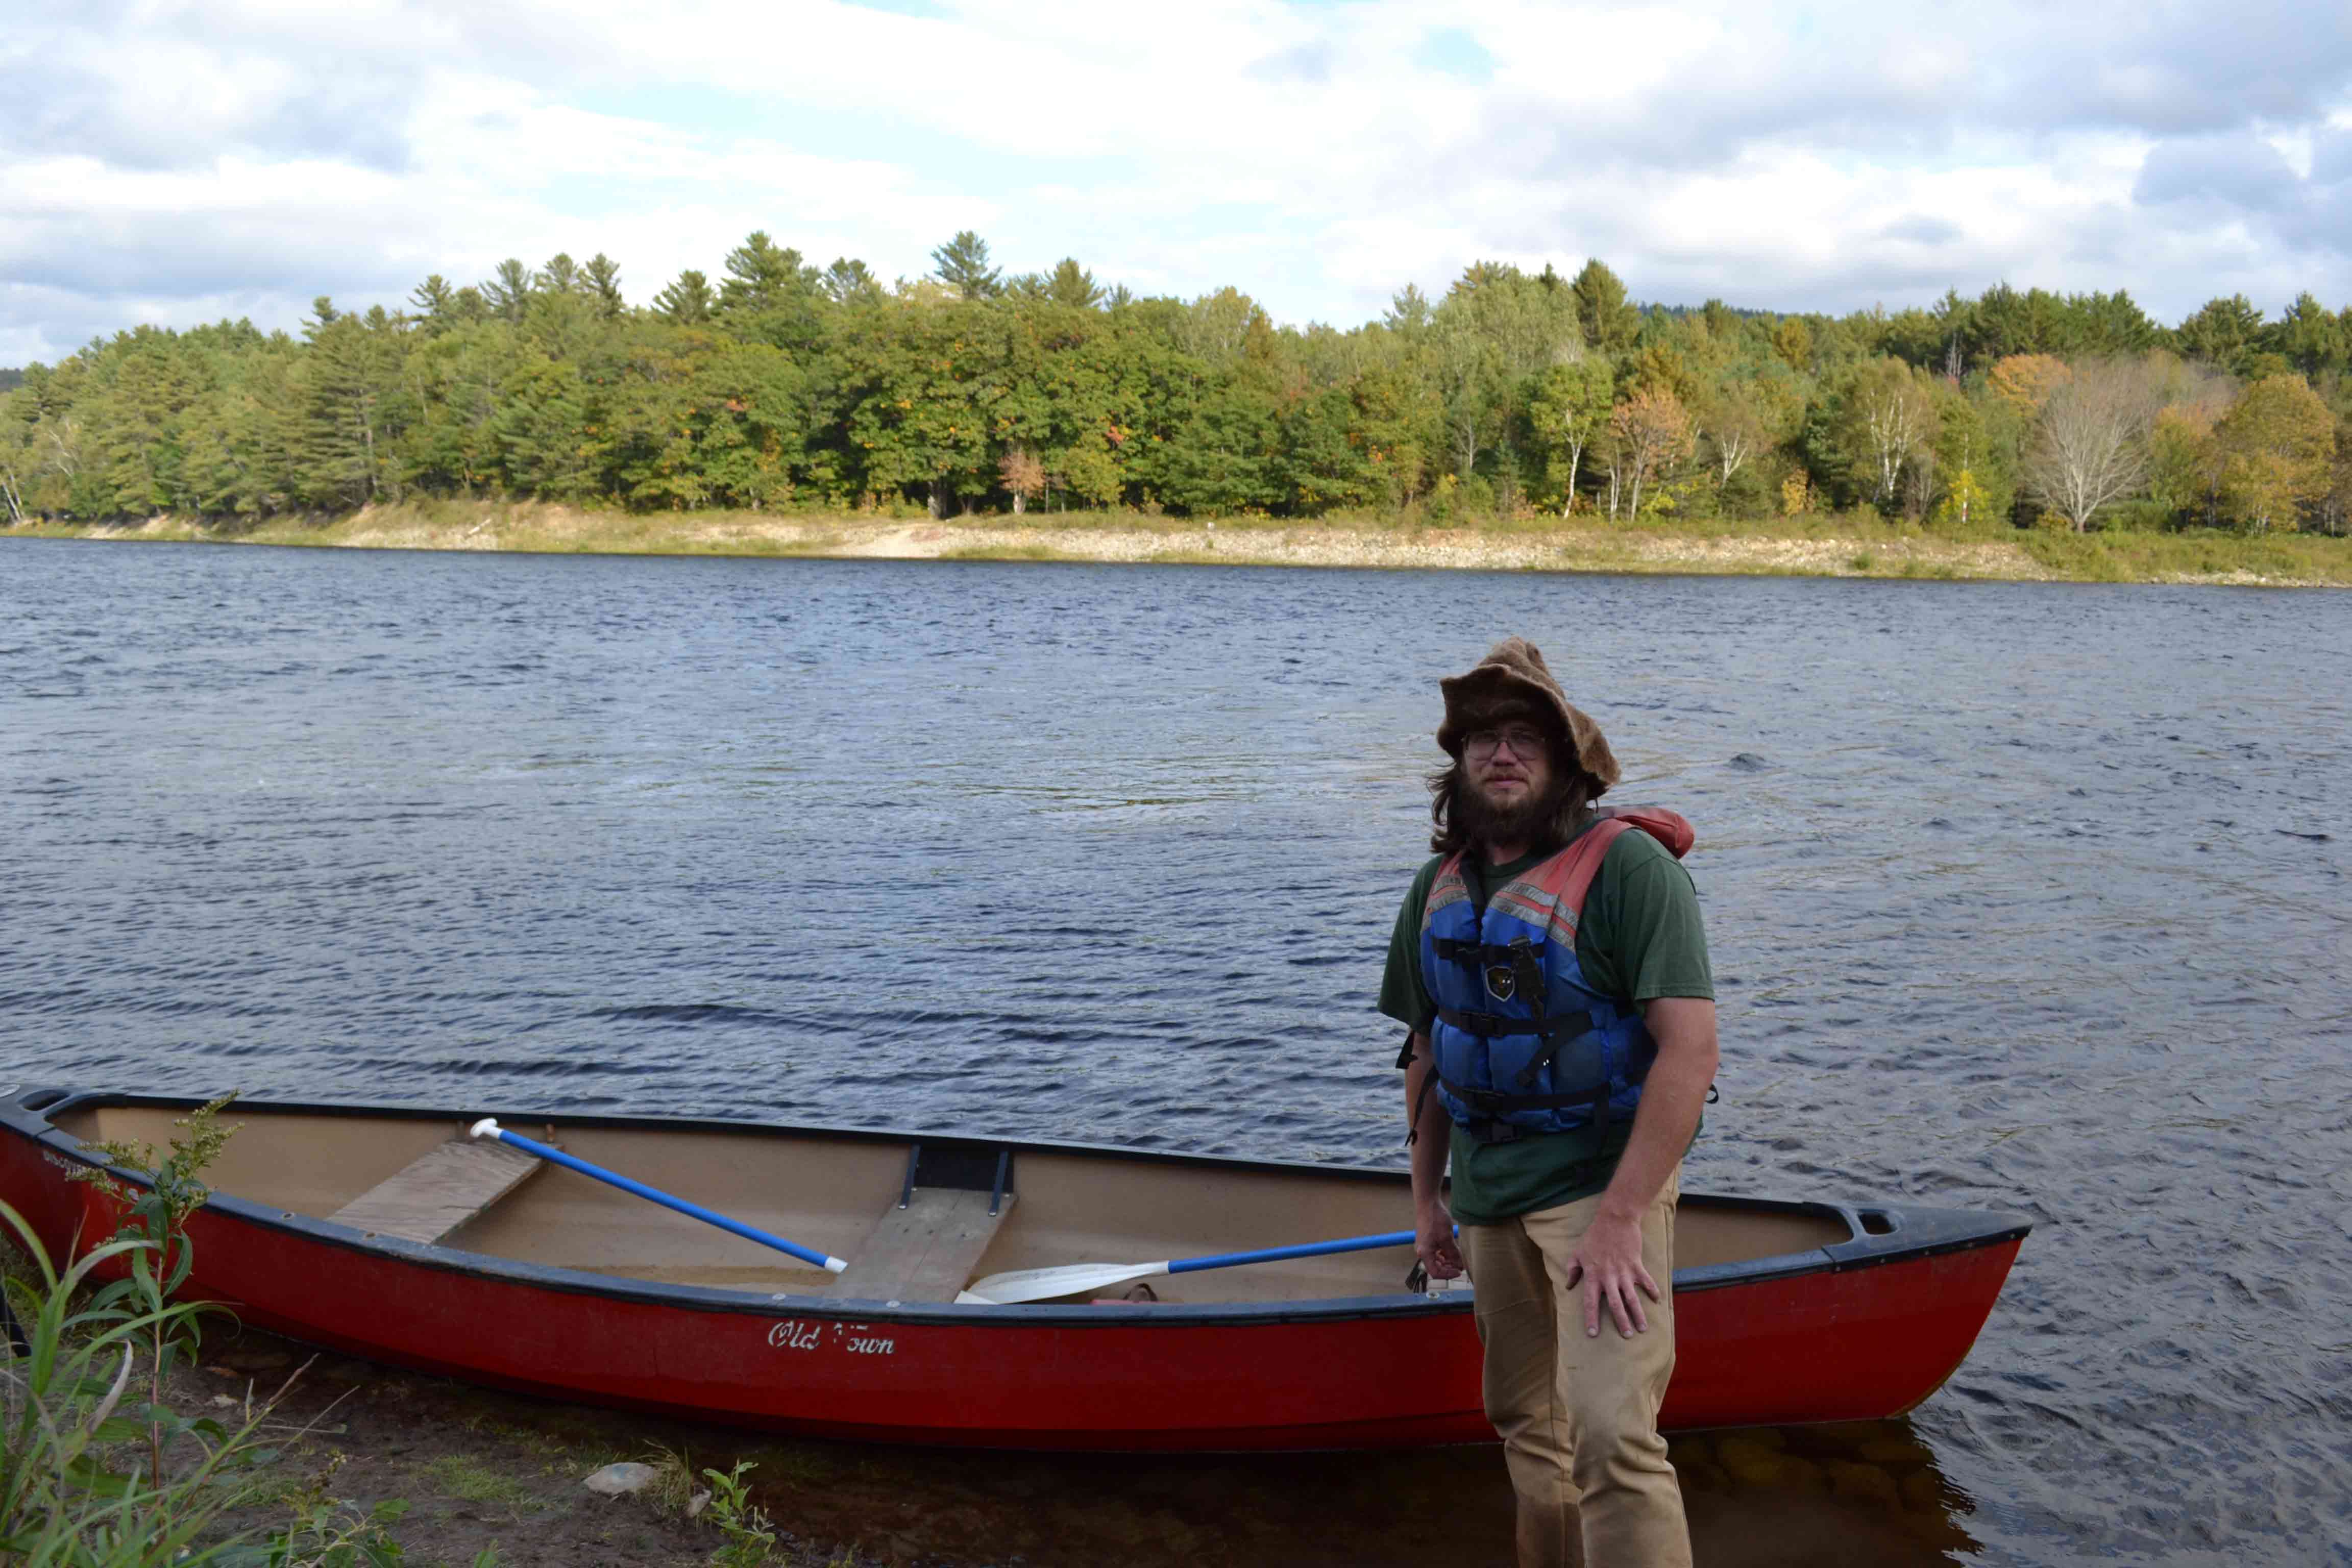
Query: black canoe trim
[{"x": 1900, "y": 1234}]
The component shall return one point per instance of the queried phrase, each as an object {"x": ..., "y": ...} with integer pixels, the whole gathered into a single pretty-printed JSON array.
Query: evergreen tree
[
  {"x": 347, "y": 412},
  {"x": 1073, "y": 285},
  {"x": 763, "y": 276},
  {"x": 850, "y": 283},
  {"x": 962, "y": 264},
  {"x": 2308, "y": 337},
  {"x": 508, "y": 293},
  {"x": 1601, "y": 311},
  {"x": 769, "y": 295},
  {"x": 689, "y": 301},
  {"x": 2222, "y": 331},
  {"x": 436, "y": 302},
  {"x": 603, "y": 283}
]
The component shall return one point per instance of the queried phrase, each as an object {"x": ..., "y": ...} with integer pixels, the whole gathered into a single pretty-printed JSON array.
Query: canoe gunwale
[{"x": 1914, "y": 1234}]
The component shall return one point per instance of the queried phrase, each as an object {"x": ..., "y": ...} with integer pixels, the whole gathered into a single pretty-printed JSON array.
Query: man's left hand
[{"x": 1608, "y": 1260}]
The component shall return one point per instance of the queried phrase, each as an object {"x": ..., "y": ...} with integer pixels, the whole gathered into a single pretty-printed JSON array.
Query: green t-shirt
[{"x": 1640, "y": 938}]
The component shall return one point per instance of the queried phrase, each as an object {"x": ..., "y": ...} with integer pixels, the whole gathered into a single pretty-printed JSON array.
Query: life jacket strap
[
  {"x": 1492, "y": 1026},
  {"x": 1477, "y": 954},
  {"x": 1488, "y": 1102}
]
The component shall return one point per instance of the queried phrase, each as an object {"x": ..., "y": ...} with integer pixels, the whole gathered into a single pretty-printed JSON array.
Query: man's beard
[{"x": 1533, "y": 821}]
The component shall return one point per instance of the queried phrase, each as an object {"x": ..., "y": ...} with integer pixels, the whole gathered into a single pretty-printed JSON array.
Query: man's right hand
[{"x": 1433, "y": 1239}]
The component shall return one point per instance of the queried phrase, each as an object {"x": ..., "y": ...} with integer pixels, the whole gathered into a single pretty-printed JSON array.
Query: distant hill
[{"x": 11, "y": 379}]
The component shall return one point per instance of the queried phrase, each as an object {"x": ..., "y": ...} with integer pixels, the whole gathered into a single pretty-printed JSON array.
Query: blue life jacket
[{"x": 1523, "y": 1043}]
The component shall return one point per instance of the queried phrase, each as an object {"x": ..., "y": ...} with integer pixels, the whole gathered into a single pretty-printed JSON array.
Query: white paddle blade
[{"x": 1045, "y": 1284}]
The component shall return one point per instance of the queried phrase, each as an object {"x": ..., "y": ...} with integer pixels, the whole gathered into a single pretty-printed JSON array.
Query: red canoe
[{"x": 382, "y": 1232}]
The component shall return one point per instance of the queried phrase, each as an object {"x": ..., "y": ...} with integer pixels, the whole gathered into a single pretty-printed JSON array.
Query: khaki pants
[{"x": 1578, "y": 1416}]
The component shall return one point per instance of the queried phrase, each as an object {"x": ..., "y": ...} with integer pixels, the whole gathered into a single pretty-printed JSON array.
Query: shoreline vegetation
[
  {"x": 1821, "y": 545},
  {"x": 777, "y": 403}
]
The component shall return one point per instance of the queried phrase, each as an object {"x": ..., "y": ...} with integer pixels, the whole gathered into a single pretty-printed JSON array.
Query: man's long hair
[{"x": 1458, "y": 821}]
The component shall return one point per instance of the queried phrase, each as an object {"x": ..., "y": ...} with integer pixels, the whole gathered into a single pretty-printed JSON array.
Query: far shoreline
[{"x": 1852, "y": 546}]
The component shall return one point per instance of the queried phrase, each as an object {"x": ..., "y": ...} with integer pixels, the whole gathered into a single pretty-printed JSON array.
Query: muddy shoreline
[{"x": 476, "y": 1471}]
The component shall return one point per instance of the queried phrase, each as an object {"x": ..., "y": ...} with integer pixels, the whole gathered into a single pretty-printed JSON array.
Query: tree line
[{"x": 780, "y": 385}]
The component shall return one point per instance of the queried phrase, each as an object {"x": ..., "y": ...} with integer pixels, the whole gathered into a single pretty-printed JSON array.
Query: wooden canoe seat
[
  {"x": 442, "y": 1189},
  {"x": 926, "y": 1246}
]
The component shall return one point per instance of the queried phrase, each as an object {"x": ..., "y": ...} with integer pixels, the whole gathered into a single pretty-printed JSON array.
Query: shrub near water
[{"x": 97, "y": 1469}]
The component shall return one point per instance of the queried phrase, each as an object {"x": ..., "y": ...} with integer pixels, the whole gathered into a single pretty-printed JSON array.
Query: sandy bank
[{"x": 1848, "y": 550}]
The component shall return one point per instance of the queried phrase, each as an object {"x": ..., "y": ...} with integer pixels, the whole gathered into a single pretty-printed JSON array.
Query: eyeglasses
[{"x": 1523, "y": 740}]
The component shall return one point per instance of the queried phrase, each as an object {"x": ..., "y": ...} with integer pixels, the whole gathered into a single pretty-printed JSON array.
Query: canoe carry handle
[{"x": 487, "y": 1127}]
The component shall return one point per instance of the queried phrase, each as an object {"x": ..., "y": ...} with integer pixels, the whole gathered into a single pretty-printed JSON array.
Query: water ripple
[{"x": 2027, "y": 897}]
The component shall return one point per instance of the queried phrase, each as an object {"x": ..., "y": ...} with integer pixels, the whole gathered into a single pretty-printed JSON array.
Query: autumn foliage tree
[
  {"x": 1649, "y": 433},
  {"x": 2277, "y": 449},
  {"x": 1023, "y": 477},
  {"x": 2025, "y": 382}
]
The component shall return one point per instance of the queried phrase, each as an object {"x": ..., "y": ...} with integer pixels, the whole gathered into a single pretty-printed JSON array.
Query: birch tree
[
  {"x": 1894, "y": 413},
  {"x": 1570, "y": 409}
]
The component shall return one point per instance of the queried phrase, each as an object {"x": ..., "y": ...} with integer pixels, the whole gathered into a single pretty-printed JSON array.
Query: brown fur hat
[{"x": 1512, "y": 678}]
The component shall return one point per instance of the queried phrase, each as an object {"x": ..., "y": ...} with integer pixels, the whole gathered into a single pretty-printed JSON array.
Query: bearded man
[{"x": 1552, "y": 968}]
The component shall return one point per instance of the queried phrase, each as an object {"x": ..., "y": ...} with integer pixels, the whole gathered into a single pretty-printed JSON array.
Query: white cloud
[{"x": 1825, "y": 155}]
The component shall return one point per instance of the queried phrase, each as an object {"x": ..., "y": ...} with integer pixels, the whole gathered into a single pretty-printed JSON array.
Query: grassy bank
[{"x": 1825, "y": 546}]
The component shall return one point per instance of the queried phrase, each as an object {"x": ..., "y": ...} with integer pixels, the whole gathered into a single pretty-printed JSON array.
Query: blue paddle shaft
[
  {"x": 1304, "y": 1249},
  {"x": 654, "y": 1194}
]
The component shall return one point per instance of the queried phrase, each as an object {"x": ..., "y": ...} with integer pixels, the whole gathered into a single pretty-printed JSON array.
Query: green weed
[
  {"x": 751, "y": 1534},
  {"x": 97, "y": 1469},
  {"x": 461, "y": 1478}
]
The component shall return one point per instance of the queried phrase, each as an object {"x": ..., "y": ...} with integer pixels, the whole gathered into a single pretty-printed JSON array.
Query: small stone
[
  {"x": 621, "y": 1479},
  {"x": 1802, "y": 1475},
  {"x": 1847, "y": 1437},
  {"x": 1900, "y": 1451},
  {"x": 1862, "y": 1483},
  {"x": 1754, "y": 1463},
  {"x": 1750, "y": 1462},
  {"x": 696, "y": 1503}
]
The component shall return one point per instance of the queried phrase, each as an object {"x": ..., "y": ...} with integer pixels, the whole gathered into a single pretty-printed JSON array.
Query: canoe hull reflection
[{"x": 563, "y": 1288}]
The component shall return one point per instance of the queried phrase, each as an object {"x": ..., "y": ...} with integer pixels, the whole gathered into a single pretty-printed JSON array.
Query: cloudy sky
[{"x": 177, "y": 163}]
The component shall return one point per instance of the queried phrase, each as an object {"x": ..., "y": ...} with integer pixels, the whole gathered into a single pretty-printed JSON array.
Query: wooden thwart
[
  {"x": 447, "y": 1185},
  {"x": 927, "y": 1251}
]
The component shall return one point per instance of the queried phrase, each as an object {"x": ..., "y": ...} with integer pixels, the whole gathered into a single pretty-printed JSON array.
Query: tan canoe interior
[{"x": 840, "y": 1194}]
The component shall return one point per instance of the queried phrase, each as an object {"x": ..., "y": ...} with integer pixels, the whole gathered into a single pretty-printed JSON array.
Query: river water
[{"x": 2023, "y": 897}]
